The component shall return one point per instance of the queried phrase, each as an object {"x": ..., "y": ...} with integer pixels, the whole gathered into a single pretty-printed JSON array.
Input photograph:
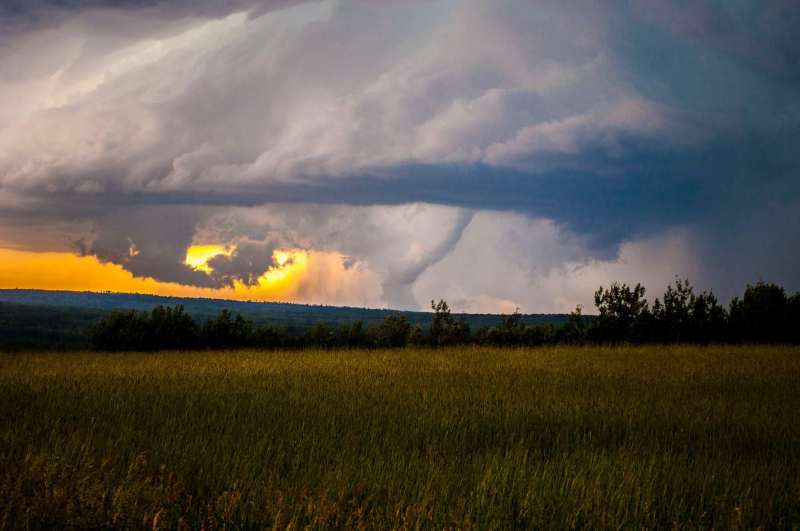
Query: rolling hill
[{"x": 59, "y": 319}]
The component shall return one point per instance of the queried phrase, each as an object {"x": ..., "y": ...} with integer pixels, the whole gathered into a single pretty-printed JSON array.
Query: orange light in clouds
[
  {"x": 197, "y": 256},
  {"x": 289, "y": 264},
  {"x": 66, "y": 271}
]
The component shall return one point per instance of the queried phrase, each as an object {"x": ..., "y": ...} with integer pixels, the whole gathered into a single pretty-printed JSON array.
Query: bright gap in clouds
[
  {"x": 285, "y": 264},
  {"x": 197, "y": 256}
]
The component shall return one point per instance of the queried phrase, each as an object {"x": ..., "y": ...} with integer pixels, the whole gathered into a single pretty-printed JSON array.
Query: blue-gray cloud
[{"x": 616, "y": 122}]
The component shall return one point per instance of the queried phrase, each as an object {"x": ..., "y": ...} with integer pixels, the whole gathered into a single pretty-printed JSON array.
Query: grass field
[{"x": 665, "y": 437}]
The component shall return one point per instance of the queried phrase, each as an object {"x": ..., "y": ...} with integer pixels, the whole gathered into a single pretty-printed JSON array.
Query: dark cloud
[
  {"x": 762, "y": 35},
  {"x": 617, "y": 124},
  {"x": 246, "y": 264},
  {"x": 149, "y": 242}
]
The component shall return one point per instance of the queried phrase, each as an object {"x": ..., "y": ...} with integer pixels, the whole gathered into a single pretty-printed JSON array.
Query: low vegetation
[{"x": 593, "y": 437}]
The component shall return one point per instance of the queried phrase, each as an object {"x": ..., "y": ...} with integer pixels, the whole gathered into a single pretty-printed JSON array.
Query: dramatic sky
[{"x": 497, "y": 154}]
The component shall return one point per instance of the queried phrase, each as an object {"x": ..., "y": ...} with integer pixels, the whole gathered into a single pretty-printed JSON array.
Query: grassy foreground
[{"x": 486, "y": 438}]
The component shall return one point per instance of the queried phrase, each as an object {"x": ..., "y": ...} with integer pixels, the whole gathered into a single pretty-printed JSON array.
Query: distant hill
[{"x": 59, "y": 319}]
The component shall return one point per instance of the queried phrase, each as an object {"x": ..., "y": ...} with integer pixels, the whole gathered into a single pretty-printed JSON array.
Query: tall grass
[{"x": 488, "y": 438}]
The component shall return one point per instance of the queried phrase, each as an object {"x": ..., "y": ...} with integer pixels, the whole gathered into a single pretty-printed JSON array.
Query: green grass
[{"x": 665, "y": 437}]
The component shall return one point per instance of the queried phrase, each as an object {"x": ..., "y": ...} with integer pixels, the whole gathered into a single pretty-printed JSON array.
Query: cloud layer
[{"x": 411, "y": 138}]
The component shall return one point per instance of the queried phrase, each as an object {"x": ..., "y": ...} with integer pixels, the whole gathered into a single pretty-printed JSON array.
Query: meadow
[{"x": 556, "y": 437}]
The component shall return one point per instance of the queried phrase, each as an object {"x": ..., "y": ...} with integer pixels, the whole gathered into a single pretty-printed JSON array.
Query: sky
[{"x": 499, "y": 154}]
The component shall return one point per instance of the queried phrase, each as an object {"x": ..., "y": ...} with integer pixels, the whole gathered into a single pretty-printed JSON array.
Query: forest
[
  {"x": 763, "y": 314},
  {"x": 61, "y": 320}
]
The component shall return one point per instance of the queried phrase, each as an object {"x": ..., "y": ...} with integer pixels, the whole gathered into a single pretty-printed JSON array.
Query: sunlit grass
[{"x": 486, "y": 438}]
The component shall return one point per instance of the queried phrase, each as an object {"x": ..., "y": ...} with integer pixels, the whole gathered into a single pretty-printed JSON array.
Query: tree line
[{"x": 764, "y": 313}]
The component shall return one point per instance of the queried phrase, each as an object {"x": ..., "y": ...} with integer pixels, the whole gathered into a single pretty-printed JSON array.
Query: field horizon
[
  {"x": 555, "y": 437},
  {"x": 56, "y": 319}
]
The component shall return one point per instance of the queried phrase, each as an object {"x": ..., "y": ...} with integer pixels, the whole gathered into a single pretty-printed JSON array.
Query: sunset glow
[
  {"x": 197, "y": 256},
  {"x": 290, "y": 264},
  {"x": 66, "y": 271}
]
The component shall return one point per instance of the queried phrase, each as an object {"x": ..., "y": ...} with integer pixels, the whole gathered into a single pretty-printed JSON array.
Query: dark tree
[
  {"x": 619, "y": 307},
  {"x": 321, "y": 336},
  {"x": 121, "y": 331},
  {"x": 761, "y": 314},
  {"x": 227, "y": 331},
  {"x": 172, "y": 329},
  {"x": 674, "y": 315},
  {"x": 354, "y": 335},
  {"x": 393, "y": 331},
  {"x": 793, "y": 318},
  {"x": 161, "y": 329},
  {"x": 445, "y": 329},
  {"x": 574, "y": 331},
  {"x": 509, "y": 331},
  {"x": 709, "y": 320},
  {"x": 687, "y": 317}
]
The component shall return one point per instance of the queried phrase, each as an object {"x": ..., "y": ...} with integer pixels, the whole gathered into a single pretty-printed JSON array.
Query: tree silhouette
[{"x": 620, "y": 307}]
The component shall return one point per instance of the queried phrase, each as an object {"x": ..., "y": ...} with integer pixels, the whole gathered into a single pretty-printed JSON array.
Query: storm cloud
[{"x": 412, "y": 138}]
